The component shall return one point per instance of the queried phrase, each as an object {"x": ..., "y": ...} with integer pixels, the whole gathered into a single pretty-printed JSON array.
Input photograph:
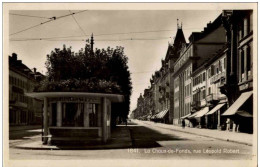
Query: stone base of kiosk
[{"x": 75, "y": 135}]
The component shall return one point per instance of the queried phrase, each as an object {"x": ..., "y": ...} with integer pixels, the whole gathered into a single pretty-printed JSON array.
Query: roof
[
  {"x": 207, "y": 30},
  {"x": 18, "y": 66},
  {"x": 41, "y": 95},
  {"x": 173, "y": 50}
]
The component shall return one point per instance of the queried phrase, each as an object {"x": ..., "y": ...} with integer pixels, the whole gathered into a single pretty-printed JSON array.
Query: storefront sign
[{"x": 75, "y": 99}]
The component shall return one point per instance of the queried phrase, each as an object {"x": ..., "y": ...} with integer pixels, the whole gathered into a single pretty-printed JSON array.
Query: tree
[{"x": 104, "y": 71}]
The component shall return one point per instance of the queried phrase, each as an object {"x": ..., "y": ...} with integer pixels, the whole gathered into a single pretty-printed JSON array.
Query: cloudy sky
[{"x": 156, "y": 28}]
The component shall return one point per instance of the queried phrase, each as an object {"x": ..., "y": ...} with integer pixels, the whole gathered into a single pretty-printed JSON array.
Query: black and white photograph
[{"x": 148, "y": 84}]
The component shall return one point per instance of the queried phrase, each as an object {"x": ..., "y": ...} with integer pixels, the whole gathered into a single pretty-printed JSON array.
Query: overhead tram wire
[
  {"x": 140, "y": 32},
  {"x": 52, "y": 19},
  {"x": 40, "y": 17},
  {"x": 127, "y": 39},
  {"x": 78, "y": 24}
]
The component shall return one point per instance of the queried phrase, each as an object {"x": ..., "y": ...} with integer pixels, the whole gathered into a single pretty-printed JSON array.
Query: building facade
[
  {"x": 239, "y": 85},
  {"x": 216, "y": 100},
  {"x": 201, "y": 46},
  {"x": 23, "y": 110},
  {"x": 199, "y": 103},
  {"x": 208, "y": 82}
]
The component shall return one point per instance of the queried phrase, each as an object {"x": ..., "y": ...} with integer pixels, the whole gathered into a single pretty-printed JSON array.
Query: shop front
[
  {"x": 75, "y": 117},
  {"x": 198, "y": 118},
  {"x": 241, "y": 113}
]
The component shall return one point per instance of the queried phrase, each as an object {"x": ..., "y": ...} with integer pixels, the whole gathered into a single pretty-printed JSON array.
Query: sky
[{"x": 144, "y": 55}]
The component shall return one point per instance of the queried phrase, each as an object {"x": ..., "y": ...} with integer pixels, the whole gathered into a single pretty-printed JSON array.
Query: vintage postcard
[{"x": 130, "y": 84}]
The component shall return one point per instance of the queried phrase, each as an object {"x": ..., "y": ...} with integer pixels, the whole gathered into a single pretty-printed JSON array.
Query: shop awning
[
  {"x": 244, "y": 113},
  {"x": 202, "y": 112},
  {"x": 153, "y": 116},
  {"x": 216, "y": 108},
  {"x": 193, "y": 115},
  {"x": 161, "y": 114},
  {"x": 184, "y": 117},
  {"x": 238, "y": 103}
]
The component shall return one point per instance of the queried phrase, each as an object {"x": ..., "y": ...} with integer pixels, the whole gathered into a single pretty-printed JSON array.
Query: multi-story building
[
  {"x": 23, "y": 110},
  {"x": 173, "y": 53},
  {"x": 199, "y": 104},
  {"x": 239, "y": 85},
  {"x": 201, "y": 46},
  {"x": 140, "y": 106},
  {"x": 133, "y": 114},
  {"x": 163, "y": 82},
  {"x": 148, "y": 102},
  {"x": 216, "y": 100},
  {"x": 159, "y": 91}
]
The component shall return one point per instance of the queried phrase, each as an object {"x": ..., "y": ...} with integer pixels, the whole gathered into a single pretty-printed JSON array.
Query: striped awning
[
  {"x": 193, "y": 115},
  {"x": 202, "y": 112},
  {"x": 216, "y": 108},
  {"x": 186, "y": 116},
  {"x": 199, "y": 113},
  {"x": 232, "y": 110},
  {"x": 161, "y": 114}
]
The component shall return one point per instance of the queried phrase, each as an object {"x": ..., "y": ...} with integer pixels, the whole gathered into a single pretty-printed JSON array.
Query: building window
[
  {"x": 248, "y": 64},
  {"x": 250, "y": 22},
  {"x": 72, "y": 114},
  {"x": 241, "y": 30},
  {"x": 209, "y": 72},
  {"x": 54, "y": 114},
  {"x": 251, "y": 58},
  {"x": 209, "y": 91},
  {"x": 225, "y": 62},
  {"x": 204, "y": 94},
  {"x": 212, "y": 70},
  {"x": 242, "y": 63},
  {"x": 245, "y": 26}
]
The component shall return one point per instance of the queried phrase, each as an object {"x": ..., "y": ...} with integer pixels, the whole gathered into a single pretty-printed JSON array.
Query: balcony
[
  {"x": 222, "y": 81},
  {"x": 212, "y": 98},
  {"x": 195, "y": 104},
  {"x": 218, "y": 77}
]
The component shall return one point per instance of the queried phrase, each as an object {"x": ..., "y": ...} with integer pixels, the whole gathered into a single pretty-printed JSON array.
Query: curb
[
  {"x": 25, "y": 128},
  {"x": 234, "y": 141}
]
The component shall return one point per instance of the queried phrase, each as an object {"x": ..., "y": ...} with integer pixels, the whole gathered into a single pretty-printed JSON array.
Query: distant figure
[
  {"x": 228, "y": 124},
  {"x": 183, "y": 123},
  {"x": 125, "y": 122}
]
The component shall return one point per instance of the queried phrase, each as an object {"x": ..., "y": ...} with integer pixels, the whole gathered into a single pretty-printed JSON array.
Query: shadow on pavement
[
  {"x": 143, "y": 137},
  {"x": 23, "y": 134}
]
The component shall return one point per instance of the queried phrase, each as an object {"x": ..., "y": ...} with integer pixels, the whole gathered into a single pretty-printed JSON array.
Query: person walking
[
  {"x": 228, "y": 124},
  {"x": 183, "y": 123}
]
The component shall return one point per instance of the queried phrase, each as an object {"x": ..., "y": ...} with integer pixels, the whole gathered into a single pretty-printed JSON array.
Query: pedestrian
[
  {"x": 183, "y": 123},
  {"x": 228, "y": 124}
]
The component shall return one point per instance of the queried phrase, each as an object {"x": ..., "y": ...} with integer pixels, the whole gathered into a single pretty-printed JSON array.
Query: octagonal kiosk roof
[{"x": 117, "y": 98}]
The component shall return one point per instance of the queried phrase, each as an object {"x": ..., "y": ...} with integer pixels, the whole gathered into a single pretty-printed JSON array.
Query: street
[{"x": 148, "y": 142}]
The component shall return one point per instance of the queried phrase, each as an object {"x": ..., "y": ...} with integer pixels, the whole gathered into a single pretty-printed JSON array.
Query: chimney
[
  {"x": 14, "y": 56},
  {"x": 34, "y": 70}
]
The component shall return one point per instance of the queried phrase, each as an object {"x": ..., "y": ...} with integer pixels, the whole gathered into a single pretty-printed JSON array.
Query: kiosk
[{"x": 76, "y": 117}]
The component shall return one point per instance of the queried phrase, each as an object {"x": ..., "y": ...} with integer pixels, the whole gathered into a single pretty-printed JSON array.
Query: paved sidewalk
[
  {"x": 120, "y": 138},
  {"x": 24, "y": 127},
  {"x": 242, "y": 138}
]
